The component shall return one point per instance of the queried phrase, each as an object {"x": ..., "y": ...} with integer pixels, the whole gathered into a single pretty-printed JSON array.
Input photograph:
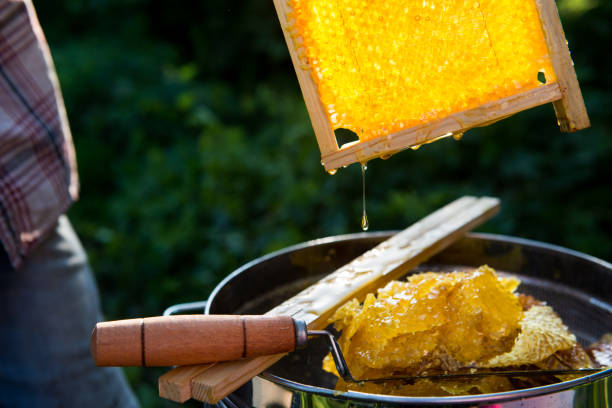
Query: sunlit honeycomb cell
[{"x": 381, "y": 66}]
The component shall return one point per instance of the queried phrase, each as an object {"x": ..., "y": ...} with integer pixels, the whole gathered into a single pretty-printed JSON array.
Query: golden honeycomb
[
  {"x": 447, "y": 322},
  {"x": 381, "y": 66}
]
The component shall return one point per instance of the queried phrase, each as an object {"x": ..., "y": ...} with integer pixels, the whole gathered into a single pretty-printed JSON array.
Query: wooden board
[{"x": 387, "y": 261}]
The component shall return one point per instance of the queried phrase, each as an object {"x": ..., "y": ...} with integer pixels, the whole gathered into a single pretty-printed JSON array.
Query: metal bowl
[{"x": 577, "y": 286}]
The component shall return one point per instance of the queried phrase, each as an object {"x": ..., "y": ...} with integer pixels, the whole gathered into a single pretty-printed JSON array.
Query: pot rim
[{"x": 462, "y": 399}]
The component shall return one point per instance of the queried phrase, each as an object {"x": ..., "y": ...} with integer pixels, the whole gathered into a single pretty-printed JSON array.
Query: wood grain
[
  {"x": 318, "y": 116},
  {"x": 190, "y": 339},
  {"x": 387, "y": 261},
  {"x": 175, "y": 385},
  {"x": 105, "y": 337},
  {"x": 570, "y": 110},
  {"x": 452, "y": 124}
]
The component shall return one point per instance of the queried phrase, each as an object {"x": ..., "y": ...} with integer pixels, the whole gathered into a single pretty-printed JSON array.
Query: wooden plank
[
  {"x": 455, "y": 123},
  {"x": 570, "y": 110},
  {"x": 318, "y": 116},
  {"x": 387, "y": 261},
  {"x": 175, "y": 385}
]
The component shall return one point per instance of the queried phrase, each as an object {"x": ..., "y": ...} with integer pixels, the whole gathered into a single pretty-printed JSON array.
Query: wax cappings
[{"x": 448, "y": 322}]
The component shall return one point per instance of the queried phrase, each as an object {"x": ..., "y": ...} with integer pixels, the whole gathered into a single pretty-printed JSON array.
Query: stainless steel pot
[{"x": 577, "y": 286}]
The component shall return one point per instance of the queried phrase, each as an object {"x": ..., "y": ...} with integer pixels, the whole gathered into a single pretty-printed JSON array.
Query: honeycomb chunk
[
  {"x": 602, "y": 351},
  {"x": 433, "y": 320},
  {"x": 452, "y": 322},
  {"x": 542, "y": 334}
]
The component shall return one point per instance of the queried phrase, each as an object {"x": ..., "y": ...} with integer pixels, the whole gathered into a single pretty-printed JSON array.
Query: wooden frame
[{"x": 564, "y": 93}]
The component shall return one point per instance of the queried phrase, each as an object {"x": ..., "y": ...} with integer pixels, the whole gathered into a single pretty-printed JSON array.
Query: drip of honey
[{"x": 365, "y": 224}]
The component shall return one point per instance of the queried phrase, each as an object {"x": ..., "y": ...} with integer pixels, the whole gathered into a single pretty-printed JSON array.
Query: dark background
[{"x": 196, "y": 153}]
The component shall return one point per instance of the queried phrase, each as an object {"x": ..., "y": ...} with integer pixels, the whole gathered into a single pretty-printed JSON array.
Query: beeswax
[{"x": 381, "y": 66}]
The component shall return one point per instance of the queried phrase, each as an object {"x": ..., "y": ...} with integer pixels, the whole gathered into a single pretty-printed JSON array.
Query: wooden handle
[{"x": 190, "y": 339}]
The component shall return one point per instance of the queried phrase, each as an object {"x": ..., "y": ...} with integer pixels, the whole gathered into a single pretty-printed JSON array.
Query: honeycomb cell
[
  {"x": 381, "y": 66},
  {"x": 441, "y": 320}
]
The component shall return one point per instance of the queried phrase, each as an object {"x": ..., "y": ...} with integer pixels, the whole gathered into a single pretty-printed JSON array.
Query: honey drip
[{"x": 365, "y": 224}]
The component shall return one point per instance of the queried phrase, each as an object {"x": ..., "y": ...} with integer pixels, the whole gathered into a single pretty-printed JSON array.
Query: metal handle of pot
[
  {"x": 186, "y": 308},
  {"x": 192, "y": 339}
]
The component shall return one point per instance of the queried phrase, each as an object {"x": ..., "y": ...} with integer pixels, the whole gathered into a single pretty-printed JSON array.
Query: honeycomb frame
[{"x": 564, "y": 93}]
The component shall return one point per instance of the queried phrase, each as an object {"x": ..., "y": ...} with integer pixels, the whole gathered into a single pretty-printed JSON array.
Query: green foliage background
[{"x": 196, "y": 153}]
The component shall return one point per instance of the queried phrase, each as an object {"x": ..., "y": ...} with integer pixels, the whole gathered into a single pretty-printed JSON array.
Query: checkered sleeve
[{"x": 38, "y": 174}]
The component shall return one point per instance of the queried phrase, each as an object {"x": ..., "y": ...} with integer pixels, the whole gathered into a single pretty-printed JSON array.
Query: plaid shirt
[{"x": 38, "y": 176}]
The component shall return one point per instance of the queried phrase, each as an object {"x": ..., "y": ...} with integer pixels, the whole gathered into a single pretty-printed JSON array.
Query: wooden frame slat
[
  {"x": 454, "y": 124},
  {"x": 570, "y": 109},
  {"x": 318, "y": 116},
  {"x": 175, "y": 385}
]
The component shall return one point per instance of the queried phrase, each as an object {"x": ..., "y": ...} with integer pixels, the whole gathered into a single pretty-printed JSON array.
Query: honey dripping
[{"x": 364, "y": 218}]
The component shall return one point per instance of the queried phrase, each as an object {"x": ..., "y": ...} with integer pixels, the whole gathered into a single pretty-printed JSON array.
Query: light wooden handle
[{"x": 190, "y": 339}]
